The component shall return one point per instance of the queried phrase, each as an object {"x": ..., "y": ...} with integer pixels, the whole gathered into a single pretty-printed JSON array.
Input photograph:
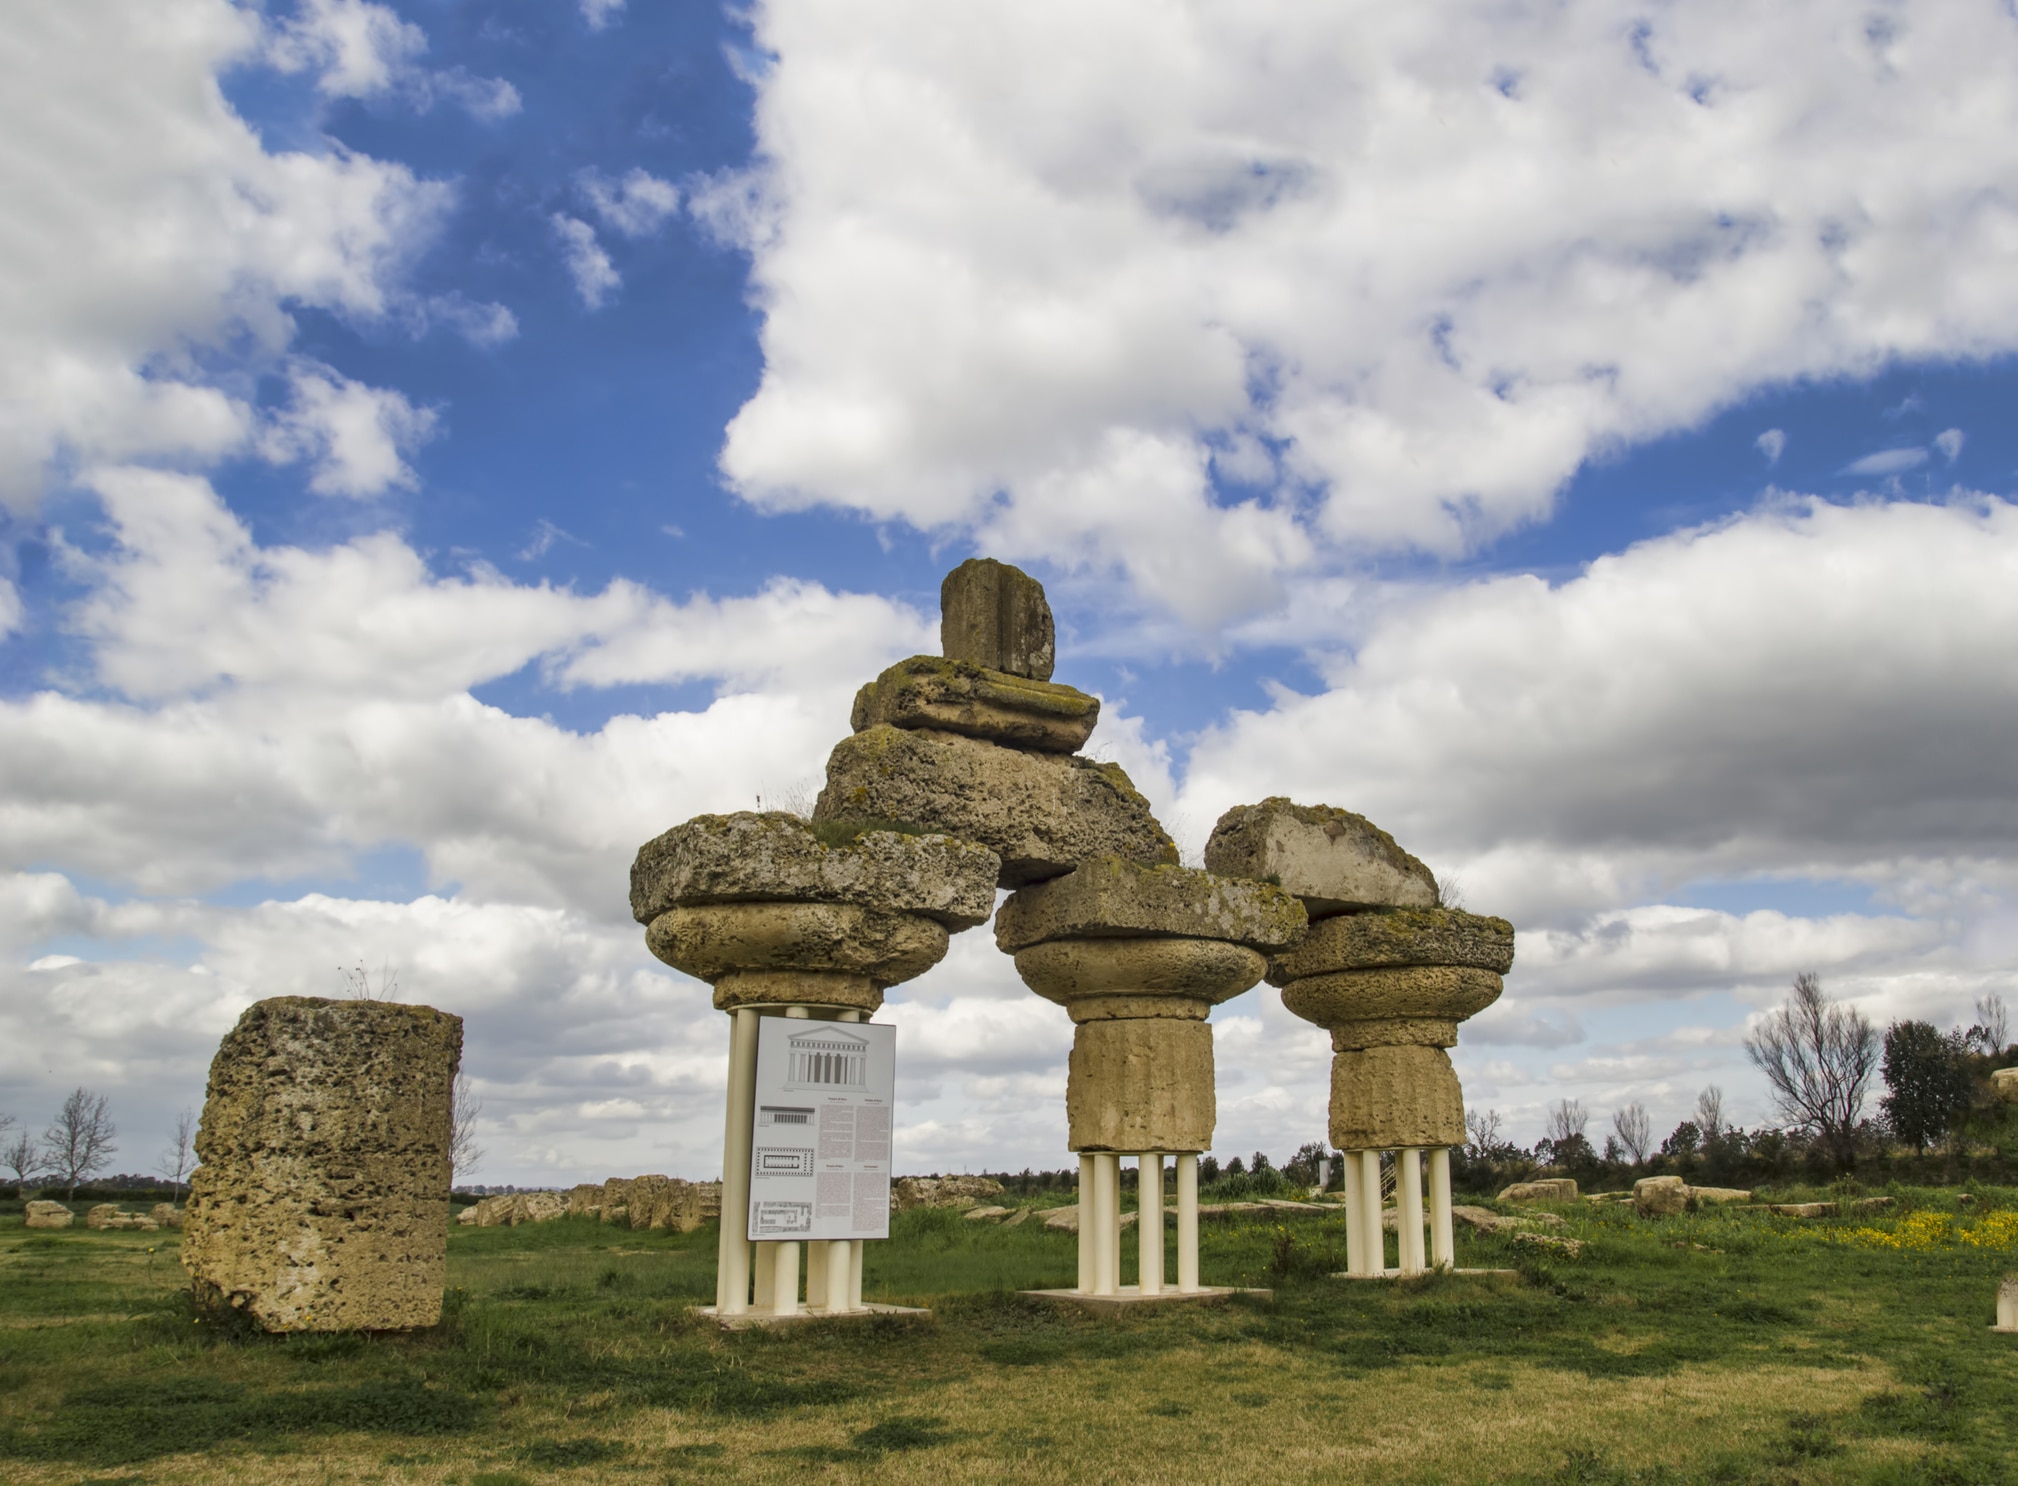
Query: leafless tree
[
  {"x": 1992, "y": 1031},
  {"x": 1486, "y": 1129},
  {"x": 358, "y": 985},
  {"x": 22, "y": 1154},
  {"x": 80, "y": 1142},
  {"x": 1710, "y": 1114},
  {"x": 1818, "y": 1058},
  {"x": 1567, "y": 1120},
  {"x": 464, "y": 1154},
  {"x": 1635, "y": 1130},
  {"x": 180, "y": 1156}
]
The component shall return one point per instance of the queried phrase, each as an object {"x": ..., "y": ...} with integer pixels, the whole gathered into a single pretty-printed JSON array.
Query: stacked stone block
[{"x": 322, "y": 1200}]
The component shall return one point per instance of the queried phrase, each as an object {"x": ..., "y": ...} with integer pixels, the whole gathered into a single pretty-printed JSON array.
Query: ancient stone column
[
  {"x": 1138, "y": 956},
  {"x": 1390, "y": 975},
  {"x": 321, "y": 1203}
]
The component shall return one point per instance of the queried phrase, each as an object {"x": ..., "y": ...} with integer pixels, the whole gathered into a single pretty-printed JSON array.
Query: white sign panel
[{"x": 820, "y": 1162}]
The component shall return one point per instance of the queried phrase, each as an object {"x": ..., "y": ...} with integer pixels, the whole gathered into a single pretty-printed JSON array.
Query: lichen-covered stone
[
  {"x": 616, "y": 1204},
  {"x": 709, "y": 942},
  {"x": 1111, "y": 897},
  {"x": 1660, "y": 1196},
  {"x": 1125, "y": 1005},
  {"x": 1206, "y": 970},
  {"x": 44, "y": 1214},
  {"x": 1387, "y": 1098},
  {"x": 1334, "y": 860},
  {"x": 1443, "y": 992},
  {"x": 2004, "y": 1084},
  {"x": 1548, "y": 1189},
  {"x": 829, "y": 988},
  {"x": 167, "y": 1215},
  {"x": 996, "y": 616},
  {"x": 1407, "y": 936},
  {"x": 108, "y": 1215},
  {"x": 1042, "y": 814},
  {"x": 956, "y": 696},
  {"x": 1141, "y": 1085},
  {"x": 1395, "y": 1031},
  {"x": 585, "y": 1200},
  {"x": 321, "y": 1203},
  {"x": 773, "y": 857}
]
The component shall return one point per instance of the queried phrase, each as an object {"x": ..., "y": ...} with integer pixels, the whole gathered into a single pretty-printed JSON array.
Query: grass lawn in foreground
[{"x": 1728, "y": 1346}]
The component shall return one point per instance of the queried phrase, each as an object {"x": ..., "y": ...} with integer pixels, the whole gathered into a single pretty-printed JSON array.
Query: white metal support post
[
  {"x": 1087, "y": 1226},
  {"x": 1149, "y": 1223},
  {"x": 732, "y": 1257},
  {"x": 855, "y": 1275},
  {"x": 1442, "y": 1248},
  {"x": 785, "y": 1287},
  {"x": 1355, "y": 1216},
  {"x": 835, "y": 1293},
  {"x": 1370, "y": 1212},
  {"x": 1106, "y": 1223},
  {"x": 816, "y": 1275},
  {"x": 1187, "y": 1223},
  {"x": 767, "y": 1272},
  {"x": 1408, "y": 1209}
]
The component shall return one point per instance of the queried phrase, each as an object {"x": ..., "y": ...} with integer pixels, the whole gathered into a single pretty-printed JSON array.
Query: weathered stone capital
[
  {"x": 773, "y": 857},
  {"x": 1205, "y": 970},
  {"x": 1400, "y": 1031},
  {"x": 1133, "y": 1005},
  {"x": 797, "y": 988},
  {"x": 1141, "y": 1085},
  {"x": 1396, "y": 938},
  {"x": 1335, "y": 861},
  {"x": 711, "y": 942},
  {"x": 1114, "y": 898},
  {"x": 1443, "y": 992},
  {"x": 957, "y": 696}
]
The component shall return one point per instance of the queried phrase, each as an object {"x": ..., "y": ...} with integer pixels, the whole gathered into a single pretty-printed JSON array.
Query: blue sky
[{"x": 453, "y": 440}]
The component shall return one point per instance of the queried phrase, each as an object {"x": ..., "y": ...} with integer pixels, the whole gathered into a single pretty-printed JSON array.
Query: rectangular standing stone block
[
  {"x": 321, "y": 1203},
  {"x": 996, "y": 616},
  {"x": 1337, "y": 862},
  {"x": 1388, "y": 1098}
]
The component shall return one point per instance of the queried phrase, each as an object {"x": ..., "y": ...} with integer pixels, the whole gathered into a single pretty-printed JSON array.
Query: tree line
[{"x": 80, "y": 1142}]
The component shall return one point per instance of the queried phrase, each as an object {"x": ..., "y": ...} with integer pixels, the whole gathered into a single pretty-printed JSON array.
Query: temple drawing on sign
[{"x": 961, "y": 777}]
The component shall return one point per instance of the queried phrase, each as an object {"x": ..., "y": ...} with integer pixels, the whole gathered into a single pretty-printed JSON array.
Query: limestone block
[
  {"x": 1804, "y": 1209},
  {"x": 956, "y": 696},
  {"x": 1112, "y": 897},
  {"x": 585, "y": 1200},
  {"x": 103, "y": 1215},
  {"x": 1125, "y": 1005},
  {"x": 167, "y": 1215},
  {"x": 1396, "y": 939},
  {"x": 941, "y": 1191},
  {"x": 996, "y": 616},
  {"x": 615, "y": 1207},
  {"x": 2004, "y": 1084},
  {"x": 1337, "y": 862},
  {"x": 1207, "y": 971},
  {"x": 774, "y": 857},
  {"x": 2007, "y": 1304},
  {"x": 1394, "y": 1031},
  {"x": 1720, "y": 1194},
  {"x": 649, "y": 1194},
  {"x": 1140, "y": 1085},
  {"x": 41, "y": 1214},
  {"x": 1385, "y": 1098},
  {"x": 711, "y": 1200},
  {"x": 321, "y": 1203},
  {"x": 1568, "y": 1247},
  {"x": 1660, "y": 1196},
  {"x": 1041, "y": 813},
  {"x": 797, "y": 988},
  {"x": 1443, "y": 992},
  {"x": 1548, "y": 1189},
  {"x": 989, "y": 1214},
  {"x": 709, "y": 942}
]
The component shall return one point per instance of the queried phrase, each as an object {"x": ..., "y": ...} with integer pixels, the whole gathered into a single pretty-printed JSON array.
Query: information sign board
[{"x": 820, "y": 1159}]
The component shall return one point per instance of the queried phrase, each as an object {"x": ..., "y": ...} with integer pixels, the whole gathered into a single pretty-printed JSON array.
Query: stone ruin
[
  {"x": 321, "y": 1202},
  {"x": 962, "y": 774}
]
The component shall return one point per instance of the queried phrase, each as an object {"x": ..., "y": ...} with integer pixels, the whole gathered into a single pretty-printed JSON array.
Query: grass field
[{"x": 1727, "y": 1346}]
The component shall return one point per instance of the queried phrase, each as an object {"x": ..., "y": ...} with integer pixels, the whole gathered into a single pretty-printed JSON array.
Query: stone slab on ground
[
  {"x": 1660, "y": 1196},
  {"x": 41, "y": 1213},
  {"x": 1396, "y": 1274},
  {"x": 995, "y": 615},
  {"x": 1548, "y": 1189},
  {"x": 1396, "y": 939},
  {"x": 1803, "y": 1209},
  {"x": 2004, "y": 1084},
  {"x": 1066, "y": 1219},
  {"x": 1042, "y": 813},
  {"x": 953, "y": 696},
  {"x": 321, "y": 1203},
  {"x": 1334, "y": 860},
  {"x": 1114, "y": 897},
  {"x": 108, "y": 1215},
  {"x": 941, "y": 1191},
  {"x": 1130, "y": 1297},
  {"x": 773, "y": 857}
]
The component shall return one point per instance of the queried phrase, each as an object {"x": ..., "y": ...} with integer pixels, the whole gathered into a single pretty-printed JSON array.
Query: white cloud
[
  {"x": 636, "y": 206},
  {"x": 1888, "y": 462},
  {"x": 1949, "y": 442},
  {"x": 360, "y": 49},
  {"x": 108, "y": 352},
  {"x": 1772, "y": 443},
  {"x": 1434, "y": 254},
  {"x": 353, "y": 433},
  {"x": 589, "y": 266},
  {"x": 599, "y": 13}
]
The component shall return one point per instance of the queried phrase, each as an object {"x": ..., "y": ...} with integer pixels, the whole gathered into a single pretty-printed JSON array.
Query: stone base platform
[
  {"x": 1395, "y": 1274},
  {"x": 1128, "y": 1297},
  {"x": 765, "y": 1316}
]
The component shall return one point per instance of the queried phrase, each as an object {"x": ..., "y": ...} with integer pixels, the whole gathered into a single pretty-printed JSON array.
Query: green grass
[{"x": 1726, "y": 1346}]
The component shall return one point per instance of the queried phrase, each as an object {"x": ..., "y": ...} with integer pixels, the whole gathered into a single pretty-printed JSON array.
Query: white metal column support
[
  {"x": 855, "y": 1275},
  {"x": 816, "y": 1275},
  {"x": 838, "y": 1286},
  {"x": 1370, "y": 1212},
  {"x": 732, "y": 1255},
  {"x": 785, "y": 1282},
  {"x": 1355, "y": 1217},
  {"x": 1106, "y": 1223},
  {"x": 1442, "y": 1247},
  {"x": 1087, "y": 1226},
  {"x": 1149, "y": 1223},
  {"x": 1408, "y": 1209},
  {"x": 1187, "y": 1223},
  {"x": 767, "y": 1272}
]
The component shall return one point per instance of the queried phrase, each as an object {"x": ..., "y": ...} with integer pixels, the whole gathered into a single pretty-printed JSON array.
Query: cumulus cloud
[
  {"x": 353, "y": 434},
  {"x": 588, "y": 265},
  {"x": 1426, "y": 259},
  {"x": 360, "y": 49},
  {"x": 637, "y": 205},
  {"x": 1888, "y": 462},
  {"x": 599, "y": 13},
  {"x": 1772, "y": 443}
]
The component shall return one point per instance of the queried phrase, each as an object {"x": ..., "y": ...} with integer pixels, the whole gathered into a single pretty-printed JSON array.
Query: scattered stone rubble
[
  {"x": 108, "y": 1215},
  {"x": 322, "y": 1200},
  {"x": 2004, "y": 1084},
  {"x": 646, "y": 1202},
  {"x": 44, "y": 1214},
  {"x": 1549, "y": 1189},
  {"x": 942, "y": 1191}
]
